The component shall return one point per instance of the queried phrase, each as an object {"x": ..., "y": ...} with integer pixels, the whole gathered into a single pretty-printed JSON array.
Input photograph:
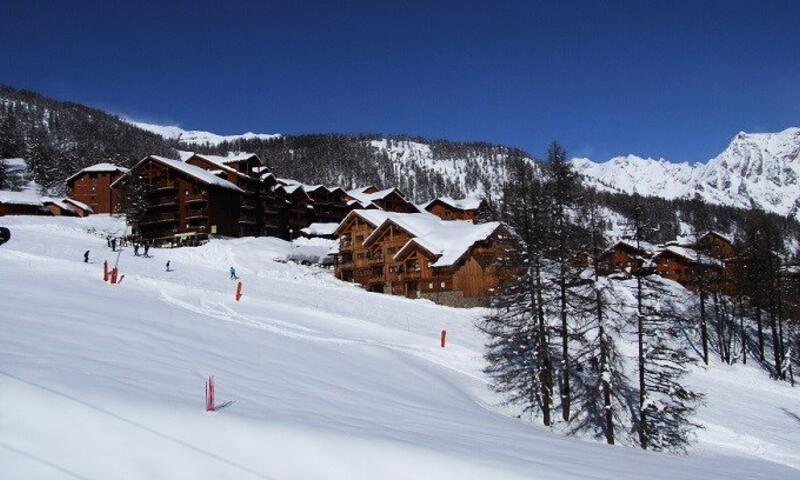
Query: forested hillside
[{"x": 58, "y": 138}]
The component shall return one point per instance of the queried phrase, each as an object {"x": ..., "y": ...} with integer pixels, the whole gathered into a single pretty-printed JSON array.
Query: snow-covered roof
[
  {"x": 692, "y": 255},
  {"x": 25, "y": 197},
  {"x": 318, "y": 229},
  {"x": 230, "y": 158},
  {"x": 78, "y": 204},
  {"x": 99, "y": 168},
  {"x": 193, "y": 171},
  {"x": 448, "y": 240},
  {"x": 367, "y": 199},
  {"x": 646, "y": 247},
  {"x": 62, "y": 204},
  {"x": 468, "y": 203},
  {"x": 306, "y": 187}
]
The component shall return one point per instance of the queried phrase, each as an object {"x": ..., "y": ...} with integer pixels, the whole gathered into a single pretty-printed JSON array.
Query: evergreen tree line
[
  {"x": 59, "y": 138},
  {"x": 557, "y": 328}
]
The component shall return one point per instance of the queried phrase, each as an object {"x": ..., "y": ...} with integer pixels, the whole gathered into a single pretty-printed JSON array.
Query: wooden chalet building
[
  {"x": 59, "y": 207},
  {"x": 626, "y": 256},
  {"x": 92, "y": 186},
  {"x": 448, "y": 208},
  {"x": 184, "y": 202},
  {"x": 716, "y": 245},
  {"x": 21, "y": 203},
  {"x": 689, "y": 267},
  {"x": 330, "y": 204},
  {"x": 298, "y": 208},
  {"x": 420, "y": 256},
  {"x": 390, "y": 200},
  {"x": 261, "y": 208}
]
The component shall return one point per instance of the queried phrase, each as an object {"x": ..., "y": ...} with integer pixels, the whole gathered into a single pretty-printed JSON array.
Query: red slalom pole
[
  {"x": 442, "y": 337},
  {"x": 105, "y": 270},
  {"x": 114, "y": 275},
  {"x": 238, "y": 291},
  {"x": 210, "y": 394}
]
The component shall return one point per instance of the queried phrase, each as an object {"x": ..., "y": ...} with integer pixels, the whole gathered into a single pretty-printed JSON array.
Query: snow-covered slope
[
  {"x": 198, "y": 137},
  {"x": 470, "y": 172},
  {"x": 756, "y": 169},
  {"x": 319, "y": 379}
]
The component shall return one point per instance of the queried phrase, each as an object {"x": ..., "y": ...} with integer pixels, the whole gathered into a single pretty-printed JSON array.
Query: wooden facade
[
  {"x": 691, "y": 271},
  {"x": 92, "y": 186},
  {"x": 377, "y": 251},
  {"x": 185, "y": 205},
  {"x": 13, "y": 208},
  {"x": 447, "y": 209},
  {"x": 715, "y": 245},
  {"x": 624, "y": 256}
]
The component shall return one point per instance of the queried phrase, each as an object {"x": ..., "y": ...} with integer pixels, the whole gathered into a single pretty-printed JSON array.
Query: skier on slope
[
  {"x": 86, "y": 257},
  {"x": 146, "y": 248},
  {"x": 233, "y": 274},
  {"x": 135, "y": 249},
  {"x": 168, "y": 265}
]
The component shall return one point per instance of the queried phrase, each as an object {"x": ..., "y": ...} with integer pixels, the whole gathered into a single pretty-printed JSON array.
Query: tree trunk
[
  {"x": 642, "y": 387},
  {"x": 703, "y": 326}
]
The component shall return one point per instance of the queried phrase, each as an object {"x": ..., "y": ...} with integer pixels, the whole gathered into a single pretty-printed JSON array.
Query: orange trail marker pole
[
  {"x": 238, "y": 291},
  {"x": 443, "y": 337},
  {"x": 114, "y": 275},
  {"x": 105, "y": 270}
]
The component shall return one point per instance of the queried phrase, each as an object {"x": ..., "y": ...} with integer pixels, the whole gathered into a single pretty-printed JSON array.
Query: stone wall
[{"x": 455, "y": 299}]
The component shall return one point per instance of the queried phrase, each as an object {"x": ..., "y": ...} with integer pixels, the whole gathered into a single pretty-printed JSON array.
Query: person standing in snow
[
  {"x": 146, "y": 248},
  {"x": 135, "y": 249},
  {"x": 233, "y": 274},
  {"x": 168, "y": 265},
  {"x": 86, "y": 257},
  {"x": 113, "y": 244}
]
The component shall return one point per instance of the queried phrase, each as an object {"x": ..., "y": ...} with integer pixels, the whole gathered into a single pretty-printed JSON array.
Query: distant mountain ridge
[
  {"x": 755, "y": 170},
  {"x": 197, "y": 137}
]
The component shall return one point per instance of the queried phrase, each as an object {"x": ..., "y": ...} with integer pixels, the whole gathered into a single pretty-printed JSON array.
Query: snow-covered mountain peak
[{"x": 756, "y": 169}]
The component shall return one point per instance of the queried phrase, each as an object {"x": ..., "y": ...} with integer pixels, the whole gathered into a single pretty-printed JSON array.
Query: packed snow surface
[{"x": 315, "y": 378}]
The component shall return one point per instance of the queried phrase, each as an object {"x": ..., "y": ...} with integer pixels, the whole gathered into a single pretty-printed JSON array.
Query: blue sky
[{"x": 662, "y": 79}]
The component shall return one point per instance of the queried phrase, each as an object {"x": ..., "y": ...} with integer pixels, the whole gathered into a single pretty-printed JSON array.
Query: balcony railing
[
  {"x": 197, "y": 197},
  {"x": 158, "y": 218}
]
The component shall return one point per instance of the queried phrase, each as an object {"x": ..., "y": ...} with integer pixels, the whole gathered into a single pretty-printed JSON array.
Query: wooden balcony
[
  {"x": 159, "y": 218},
  {"x": 161, "y": 187},
  {"x": 196, "y": 198},
  {"x": 162, "y": 203}
]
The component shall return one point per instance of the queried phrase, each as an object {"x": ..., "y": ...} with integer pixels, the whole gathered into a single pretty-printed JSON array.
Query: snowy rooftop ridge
[
  {"x": 468, "y": 203},
  {"x": 104, "y": 167},
  {"x": 448, "y": 240},
  {"x": 193, "y": 171}
]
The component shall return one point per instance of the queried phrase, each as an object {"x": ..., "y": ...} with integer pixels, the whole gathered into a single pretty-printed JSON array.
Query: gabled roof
[
  {"x": 468, "y": 203},
  {"x": 372, "y": 217},
  {"x": 62, "y": 204},
  {"x": 98, "y": 168},
  {"x": 712, "y": 233},
  {"x": 646, "y": 248},
  {"x": 81, "y": 205},
  {"x": 450, "y": 241},
  {"x": 690, "y": 255},
  {"x": 368, "y": 199},
  {"x": 193, "y": 171}
]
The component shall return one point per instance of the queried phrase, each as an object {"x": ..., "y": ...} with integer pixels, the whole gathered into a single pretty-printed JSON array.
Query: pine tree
[
  {"x": 519, "y": 354},
  {"x": 665, "y": 405},
  {"x": 564, "y": 188}
]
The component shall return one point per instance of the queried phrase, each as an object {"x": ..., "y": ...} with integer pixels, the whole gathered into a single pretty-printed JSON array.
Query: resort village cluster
[{"x": 439, "y": 250}]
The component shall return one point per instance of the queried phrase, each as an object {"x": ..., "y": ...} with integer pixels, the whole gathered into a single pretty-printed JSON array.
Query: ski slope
[{"x": 318, "y": 379}]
